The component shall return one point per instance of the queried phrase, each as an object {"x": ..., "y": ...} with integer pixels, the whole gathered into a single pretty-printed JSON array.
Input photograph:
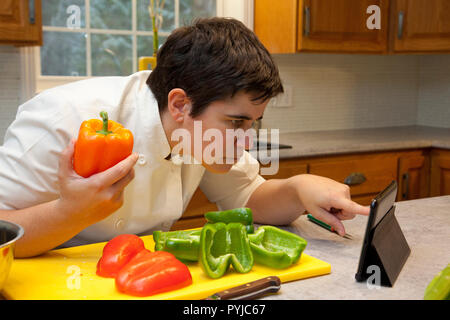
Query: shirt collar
[{"x": 157, "y": 140}]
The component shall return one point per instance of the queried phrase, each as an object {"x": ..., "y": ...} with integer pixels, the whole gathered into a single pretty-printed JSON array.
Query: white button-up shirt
[{"x": 161, "y": 189}]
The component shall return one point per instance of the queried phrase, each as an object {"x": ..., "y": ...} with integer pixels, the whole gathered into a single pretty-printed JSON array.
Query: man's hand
[
  {"x": 328, "y": 200},
  {"x": 92, "y": 199}
]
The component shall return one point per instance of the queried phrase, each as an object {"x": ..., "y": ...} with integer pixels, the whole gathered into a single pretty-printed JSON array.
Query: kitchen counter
[
  {"x": 426, "y": 226},
  {"x": 318, "y": 143}
]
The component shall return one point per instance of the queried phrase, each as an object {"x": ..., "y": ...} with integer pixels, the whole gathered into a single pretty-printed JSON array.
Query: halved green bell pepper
[
  {"x": 276, "y": 248},
  {"x": 224, "y": 244},
  {"x": 241, "y": 215},
  {"x": 183, "y": 244}
]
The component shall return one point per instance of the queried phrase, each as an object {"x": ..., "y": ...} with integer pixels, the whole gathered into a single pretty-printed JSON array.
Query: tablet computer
[{"x": 379, "y": 207}]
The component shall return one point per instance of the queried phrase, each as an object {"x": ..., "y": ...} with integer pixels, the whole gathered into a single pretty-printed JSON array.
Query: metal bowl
[{"x": 9, "y": 234}]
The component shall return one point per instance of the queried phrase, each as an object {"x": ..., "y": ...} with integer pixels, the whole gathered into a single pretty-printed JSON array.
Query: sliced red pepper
[
  {"x": 117, "y": 253},
  {"x": 149, "y": 273}
]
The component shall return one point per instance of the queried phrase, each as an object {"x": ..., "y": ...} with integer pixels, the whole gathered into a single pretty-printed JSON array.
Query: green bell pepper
[
  {"x": 183, "y": 244},
  {"x": 439, "y": 287},
  {"x": 241, "y": 215},
  {"x": 276, "y": 248},
  {"x": 224, "y": 244}
]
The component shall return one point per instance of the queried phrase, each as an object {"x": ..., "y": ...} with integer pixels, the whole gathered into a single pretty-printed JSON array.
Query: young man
[{"x": 214, "y": 72}]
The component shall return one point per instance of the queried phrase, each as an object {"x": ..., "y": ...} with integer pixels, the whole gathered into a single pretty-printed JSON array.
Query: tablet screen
[
  {"x": 379, "y": 207},
  {"x": 384, "y": 202}
]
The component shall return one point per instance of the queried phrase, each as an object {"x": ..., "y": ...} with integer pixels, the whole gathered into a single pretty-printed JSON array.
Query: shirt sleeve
[
  {"x": 234, "y": 188},
  {"x": 30, "y": 154}
]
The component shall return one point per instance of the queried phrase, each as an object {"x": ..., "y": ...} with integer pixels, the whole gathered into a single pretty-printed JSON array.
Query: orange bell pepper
[{"x": 101, "y": 144}]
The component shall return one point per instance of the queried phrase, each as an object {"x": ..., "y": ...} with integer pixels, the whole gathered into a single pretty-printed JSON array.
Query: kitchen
[{"x": 362, "y": 107}]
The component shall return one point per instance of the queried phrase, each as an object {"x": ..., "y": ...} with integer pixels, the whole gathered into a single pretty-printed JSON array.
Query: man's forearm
[
  {"x": 276, "y": 202},
  {"x": 45, "y": 225}
]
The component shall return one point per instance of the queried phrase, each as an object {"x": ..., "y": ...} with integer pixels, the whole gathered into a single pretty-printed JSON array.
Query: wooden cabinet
[
  {"x": 413, "y": 177},
  {"x": 193, "y": 216},
  {"x": 341, "y": 26},
  {"x": 420, "y": 25},
  {"x": 291, "y": 26},
  {"x": 405, "y": 26},
  {"x": 20, "y": 22},
  {"x": 366, "y": 174},
  {"x": 440, "y": 173},
  {"x": 275, "y": 24},
  {"x": 288, "y": 168},
  {"x": 419, "y": 173}
]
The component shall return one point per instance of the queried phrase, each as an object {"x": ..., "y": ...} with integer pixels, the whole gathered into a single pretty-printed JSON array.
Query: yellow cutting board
[{"x": 70, "y": 274}]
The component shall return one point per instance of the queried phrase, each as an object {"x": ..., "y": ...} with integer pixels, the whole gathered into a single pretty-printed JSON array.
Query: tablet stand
[{"x": 388, "y": 250}]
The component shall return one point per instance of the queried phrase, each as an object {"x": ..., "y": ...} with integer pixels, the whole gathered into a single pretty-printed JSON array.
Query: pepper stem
[{"x": 104, "y": 116}]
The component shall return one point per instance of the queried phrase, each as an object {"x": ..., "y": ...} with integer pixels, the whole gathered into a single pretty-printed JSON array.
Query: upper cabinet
[
  {"x": 341, "y": 26},
  {"x": 363, "y": 26},
  {"x": 420, "y": 25},
  {"x": 20, "y": 22}
]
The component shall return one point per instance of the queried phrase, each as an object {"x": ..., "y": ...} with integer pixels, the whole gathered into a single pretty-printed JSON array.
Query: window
[{"x": 84, "y": 38}]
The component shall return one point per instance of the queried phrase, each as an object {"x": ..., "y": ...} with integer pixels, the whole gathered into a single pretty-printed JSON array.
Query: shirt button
[
  {"x": 120, "y": 224},
  {"x": 141, "y": 160}
]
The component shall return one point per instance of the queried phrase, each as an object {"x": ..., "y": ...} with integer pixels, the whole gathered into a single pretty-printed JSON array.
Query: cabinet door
[
  {"x": 20, "y": 22},
  {"x": 193, "y": 216},
  {"x": 275, "y": 24},
  {"x": 366, "y": 175},
  {"x": 413, "y": 178},
  {"x": 420, "y": 25},
  {"x": 440, "y": 173},
  {"x": 288, "y": 168},
  {"x": 341, "y": 26}
]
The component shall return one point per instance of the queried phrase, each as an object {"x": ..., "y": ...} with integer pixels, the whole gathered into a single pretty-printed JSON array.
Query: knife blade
[{"x": 250, "y": 290}]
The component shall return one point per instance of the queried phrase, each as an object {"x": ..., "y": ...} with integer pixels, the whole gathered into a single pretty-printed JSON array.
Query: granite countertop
[
  {"x": 425, "y": 224},
  {"x": 316, "y": 143}
]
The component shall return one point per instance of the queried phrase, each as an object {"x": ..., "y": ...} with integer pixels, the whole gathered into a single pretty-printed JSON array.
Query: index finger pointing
[{"x": 351, "y": 207}]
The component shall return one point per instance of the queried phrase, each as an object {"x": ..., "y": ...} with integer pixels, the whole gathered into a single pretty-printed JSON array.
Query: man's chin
[{"x": 218, "y": 168}]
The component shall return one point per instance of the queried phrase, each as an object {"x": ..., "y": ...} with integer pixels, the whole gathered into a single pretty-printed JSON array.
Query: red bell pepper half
[
  {"x": 117, "y": 253},
  {"x": 149, "y": 273}
]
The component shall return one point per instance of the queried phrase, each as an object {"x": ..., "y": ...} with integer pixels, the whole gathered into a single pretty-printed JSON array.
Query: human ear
[{"x": 178, "y": 104}]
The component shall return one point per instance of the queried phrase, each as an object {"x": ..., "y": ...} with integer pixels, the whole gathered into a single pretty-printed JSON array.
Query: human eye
[{"x": 237, "y": 123}]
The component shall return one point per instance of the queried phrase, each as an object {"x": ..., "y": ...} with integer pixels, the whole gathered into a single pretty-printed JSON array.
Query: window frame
[{"x": 34, "y": 82}]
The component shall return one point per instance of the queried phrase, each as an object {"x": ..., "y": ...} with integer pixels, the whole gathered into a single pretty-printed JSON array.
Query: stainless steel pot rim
[{"x": 17, "y": 237}]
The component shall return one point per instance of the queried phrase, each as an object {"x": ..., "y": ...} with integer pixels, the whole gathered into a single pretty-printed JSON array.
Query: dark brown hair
[{"x": 213, "y": 59}]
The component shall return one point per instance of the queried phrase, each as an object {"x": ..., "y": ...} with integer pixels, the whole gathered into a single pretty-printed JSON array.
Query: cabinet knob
[{"x": 355, "y": 178}]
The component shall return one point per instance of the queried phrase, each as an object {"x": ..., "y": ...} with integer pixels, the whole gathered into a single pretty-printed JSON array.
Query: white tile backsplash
[
  {"x": 333, "y": 91},
  {"x": 330, "y": 91},
  {"x": 434, "y": 91},
  {"x": 10, "y": 86}
]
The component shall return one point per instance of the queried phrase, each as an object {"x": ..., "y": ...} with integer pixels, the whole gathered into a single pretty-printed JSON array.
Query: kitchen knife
[{"x": 250, "y": 290}]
